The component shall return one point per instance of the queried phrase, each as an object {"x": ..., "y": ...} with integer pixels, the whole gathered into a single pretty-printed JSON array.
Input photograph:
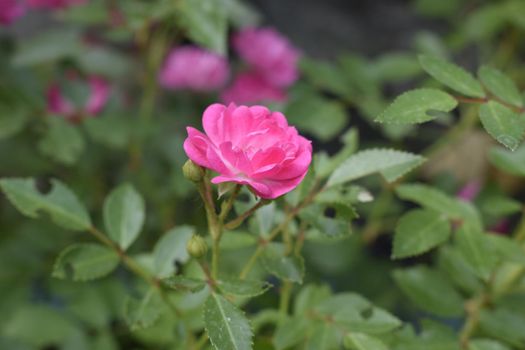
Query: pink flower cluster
[
  {"x": 57, "y": 103},
  {"x": 251, "y": 146},
  {"x": 195, "y": 69},
  {"x": 272, "y": 62},
  {"x": 10, "y": 10}
]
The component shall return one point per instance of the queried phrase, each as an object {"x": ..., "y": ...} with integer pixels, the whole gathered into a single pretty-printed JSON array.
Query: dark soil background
[{"x": 325, "y": 28}]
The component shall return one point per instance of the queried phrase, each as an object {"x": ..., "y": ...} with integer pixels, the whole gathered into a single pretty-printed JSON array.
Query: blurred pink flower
[
  {"x": 54, "y": 4},
  {"x": 10, "y": 10},
  {"x": 195, "y": 69},
  {"x": 57, "y": 103},
  {"x": 470, "y": 191},
  {"x": 268, "y": 52},
  {"x": 251, "y": 146},
  {"x": 99, "y": 96},
  {"x": 250, "y": 87}
]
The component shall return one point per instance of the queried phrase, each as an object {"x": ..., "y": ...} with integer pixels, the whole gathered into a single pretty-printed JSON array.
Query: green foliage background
[{"x": 373, "y": 251}]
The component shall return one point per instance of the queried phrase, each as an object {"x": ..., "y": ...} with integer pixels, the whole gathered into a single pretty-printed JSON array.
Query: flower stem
[
  {"x": 134, "y": 267},
  {"x": 473, "y": 308},
  {"x": 240, "y": 219},
  {"x": 249, "y": 265},
  {"x": 277, "y": 230},
  {"x": 284, "y": 301},
  {"x": 228, "y": 204}
]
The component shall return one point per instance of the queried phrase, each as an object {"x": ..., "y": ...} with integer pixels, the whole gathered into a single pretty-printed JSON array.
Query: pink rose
[
  {"x": 250, "y": 87},
  {"x": 251, "y": 146},
  {"x": 99, "y": 92},
  {"x": 54, "y": 4},
  {"x": 10, "y": 10},
  {"x": 271, "y": 54},
  {"x": 195, "y": 69}
]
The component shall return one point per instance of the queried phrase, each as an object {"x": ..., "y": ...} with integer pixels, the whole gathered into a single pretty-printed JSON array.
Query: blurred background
[{"x": 95, "y": 93}]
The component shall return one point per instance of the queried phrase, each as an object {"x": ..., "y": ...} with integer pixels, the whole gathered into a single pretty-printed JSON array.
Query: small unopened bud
[
  {"x": 197, "y": 246},
  {"x": 192, "y": 171}
]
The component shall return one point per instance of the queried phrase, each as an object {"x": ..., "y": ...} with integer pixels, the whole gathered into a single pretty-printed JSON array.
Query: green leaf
[
  {"x": 361, "y": 341},
  {"x": 12, "y": 120},
  {"x": 287, "y": 267},
  {"x": 350, "y": 140},
  {"x": 184, "y": 283},
  {"x": 418, "y": 231},
  {"x": 452, "y": 76},
  {"x": 426, "y": 288},
  {"x": 308, "y": 297},
  {"x": 497, "y": 205},
  {"x": 237, "y": 240},
  {"x": 325, "y": 76},
  {"x": 171, "y": 248},
  {"x": 508, "y": 249},
  {"x": 331, "y": 227},
  {"x": 396, "y": 67},
  {"x": 143, "y": 313},
  {"x": 414, "y": 106},
  {"x": 434, "y": 199},
  {"x": 85, "y": 261},
  {"x": 510, "y": 162},
  {"x": 243, "y": 288},
  {"x": 486, "y": 344},
  {"x": 205, "y": 22},
  {"x": 241, "y": 14},
  {"x": 500, "y": 85},
  {"x": 477, "y": 250},
  {"x": 355, "y": 313},
  {"x": 60, "y": 203},
  {"x": 46, "y": 47},
  {"x": 391, "y": 164},
  {"x": 503, "y": 324},
  {"x": 62, "y": 141},
  {"x": 124, "y": 215},
  {"x": 452, "y": 263},
  {"x": 104, "y": 61},
  {"x": 109, "y": 130},
  {"x": 38, "y": 325},
  {"x": 503, "y": 124},
  {"x": 305, "y": 112},
  {"x": 323, "y": 337},
  {"x": 227, "y": 327},
  {"x": 290, "y": 332}
]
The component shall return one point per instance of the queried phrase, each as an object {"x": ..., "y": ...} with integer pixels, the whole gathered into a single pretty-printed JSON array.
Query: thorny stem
[
  {"x": 227, "y": 205},
  {"x": 134, "y": 267},
  {"x": 214, "y": 224},
  {"x": 482, "y": 100},
  {"x": 284, "y": 302},
  {"x": 472, "y": 308},
  {"x": 277, "y": 230},
  {"x": 240, "y": 219}
]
